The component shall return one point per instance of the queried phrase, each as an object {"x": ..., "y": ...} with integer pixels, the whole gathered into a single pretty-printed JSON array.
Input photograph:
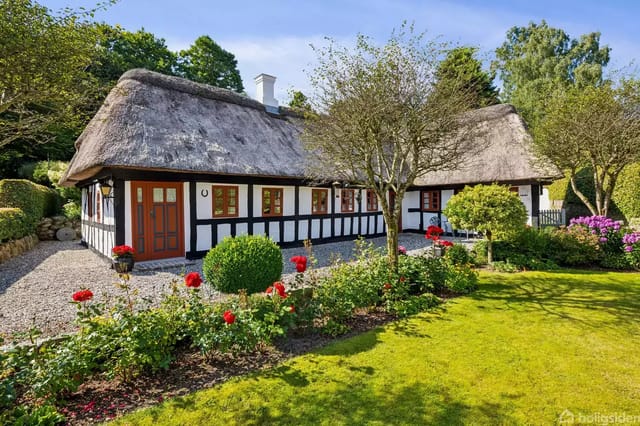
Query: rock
[{"x": 65, "y": 234}]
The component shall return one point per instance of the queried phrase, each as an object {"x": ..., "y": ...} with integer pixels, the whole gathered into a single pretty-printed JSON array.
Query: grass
[{"x": 521, "y": 350}]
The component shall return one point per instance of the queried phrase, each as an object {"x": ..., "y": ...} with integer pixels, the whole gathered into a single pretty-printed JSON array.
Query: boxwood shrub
[
  {"x": 251, "y": 262},
  {"x": 13, "y": 224},
  {"x": 36, "y": 201}
]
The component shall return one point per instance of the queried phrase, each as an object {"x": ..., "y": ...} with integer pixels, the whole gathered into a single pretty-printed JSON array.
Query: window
[
  {"x": 431, "y": 201},
  {"x": 319, "y": 202},
  {"x": 225, "y": 201},
  {"x": 372, "y": 201},
  {"x": 515, "y": 189},
  {"x": 271, "y": 201},
  {"x": 347, "y": 200}
]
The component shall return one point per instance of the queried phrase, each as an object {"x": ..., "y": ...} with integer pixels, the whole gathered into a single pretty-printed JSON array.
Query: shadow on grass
[
  {"x": 351, "y": 404},
  {"x": 592, "y": 298}
]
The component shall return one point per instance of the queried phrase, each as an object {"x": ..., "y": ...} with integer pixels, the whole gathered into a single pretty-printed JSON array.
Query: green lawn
[{"x": 521, "y": 350}]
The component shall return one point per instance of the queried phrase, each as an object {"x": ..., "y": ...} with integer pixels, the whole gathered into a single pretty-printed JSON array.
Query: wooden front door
[{"x": 157, "y": 221}]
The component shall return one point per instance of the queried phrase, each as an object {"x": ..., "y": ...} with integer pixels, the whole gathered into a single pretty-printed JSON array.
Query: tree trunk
[
  {"x": 580, "y": 195},
  {"x": 489, "y": 248},
  {"x": 392, "y": 242}
]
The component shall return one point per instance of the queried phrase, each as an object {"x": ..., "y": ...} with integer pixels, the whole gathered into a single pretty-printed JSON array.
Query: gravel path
[{"x": 36, "y": 288}]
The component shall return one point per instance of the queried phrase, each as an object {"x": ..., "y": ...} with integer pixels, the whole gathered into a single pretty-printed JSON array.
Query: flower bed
[{"x": 128, "y": 339}]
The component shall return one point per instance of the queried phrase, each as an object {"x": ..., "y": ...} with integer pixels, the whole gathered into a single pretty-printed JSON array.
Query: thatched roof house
[{"x": 171, "y": 166}]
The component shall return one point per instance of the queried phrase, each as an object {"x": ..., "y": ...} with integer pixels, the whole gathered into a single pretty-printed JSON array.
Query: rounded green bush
[{"x": 251, "y": 262}]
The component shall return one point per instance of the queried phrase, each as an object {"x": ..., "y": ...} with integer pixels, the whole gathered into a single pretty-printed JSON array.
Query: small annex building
[{"x": 171, "y": 167}]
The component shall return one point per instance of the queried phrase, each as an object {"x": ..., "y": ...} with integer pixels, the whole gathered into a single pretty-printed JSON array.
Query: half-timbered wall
[
  {"x": 295, "y": 224},
  {"x": 98, "y": 220},
  {"x": 416, "y": 219}
]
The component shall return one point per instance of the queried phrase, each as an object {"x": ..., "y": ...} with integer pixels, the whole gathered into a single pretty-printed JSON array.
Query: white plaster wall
[
  {"x": 525, "y": 196},
  {"x": 303, "y": 232},
  {"x": 224, "y": 230},
  {"x": 305, "y": 200},
  {"x": 411, "y": 201},
  {"x": 289, "y": 194},
  {"x": 315, "y": 228},
  {"x": 274, "y": 231},
  {"x": 258, "y": 228},
  {"x": 289, "y": 231},
  {"x": 326, "y": 228},
  {"x": 545, "y": 202},
  {"x": 203, "y": 241},
  {"x": 128, "y": 228}
]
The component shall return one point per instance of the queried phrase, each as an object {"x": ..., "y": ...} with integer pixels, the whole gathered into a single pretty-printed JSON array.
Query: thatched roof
[
  {"x": 154, "y": 121},
  {"x": 151, "y": 121},
  {"x": 506, "y": 154}
]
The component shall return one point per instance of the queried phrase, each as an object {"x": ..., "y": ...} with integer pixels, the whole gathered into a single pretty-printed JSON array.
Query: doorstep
[{"x": 162, "y": 264}]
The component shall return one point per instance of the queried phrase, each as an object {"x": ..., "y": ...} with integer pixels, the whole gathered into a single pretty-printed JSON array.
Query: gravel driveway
[{"x": 36, "y": 288}]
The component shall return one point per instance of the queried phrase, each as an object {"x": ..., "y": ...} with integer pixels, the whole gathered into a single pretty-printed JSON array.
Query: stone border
[{"x": 15, "y": 248}]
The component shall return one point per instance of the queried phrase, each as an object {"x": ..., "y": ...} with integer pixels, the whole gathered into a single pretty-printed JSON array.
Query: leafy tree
[
  {"x": 121, "y": 50},
  {"x": 42, "y": 69},
  {"x": 384, "y": 120},
  {"x": 299, "y": 101},
  {"x": 596, "y": 127},
  {"x": 537, "y": 60},
  {"x": 206, "y": 62},
  {"x": 461, "y": 67},
  {"x": 490, "y": 209}
]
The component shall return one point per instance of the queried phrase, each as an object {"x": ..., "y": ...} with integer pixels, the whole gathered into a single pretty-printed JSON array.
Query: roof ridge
[{"x": 184, "y": 85}]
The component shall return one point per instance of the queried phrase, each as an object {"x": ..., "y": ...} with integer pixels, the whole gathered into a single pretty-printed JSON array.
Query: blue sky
[{"x": 274, "y": 36}]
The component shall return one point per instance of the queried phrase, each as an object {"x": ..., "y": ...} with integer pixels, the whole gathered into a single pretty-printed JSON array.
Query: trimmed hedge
[
  {"x": 627, "y": 192},
  {"x": 13, "y": 224},
  {"x": 250, "y": 262},
  {"x": 36, "y": 201}
]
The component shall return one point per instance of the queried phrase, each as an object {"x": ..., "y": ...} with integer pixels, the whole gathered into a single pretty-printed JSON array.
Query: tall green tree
[
  {"x": 537, "y": 60},
  {"x": 461, "y": 67},
  {"x": 299, "y": 101},
  {"x": 120, "y": 50},
  {"x": 384, "y": 120},
  {"x": 42, "y": 68},
  {"x": 206, "y": 62},
  {"x": 594, "y": 127}
]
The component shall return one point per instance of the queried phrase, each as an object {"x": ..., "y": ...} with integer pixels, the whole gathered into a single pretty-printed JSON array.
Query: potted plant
[
  {"x": 122, "y": 258},
  {"x": 439, "y": 246}
]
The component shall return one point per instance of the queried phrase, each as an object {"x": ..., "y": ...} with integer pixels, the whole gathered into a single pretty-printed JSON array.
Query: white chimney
[{"x": 264, "y": 92}]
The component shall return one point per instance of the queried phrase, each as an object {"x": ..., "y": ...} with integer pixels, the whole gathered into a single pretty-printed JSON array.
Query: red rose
[
  {"x": 82, "y": 296},
  {"x": 228, "y": 317},
  {"x": 292, "y": 309},
  {"x": 269, "y": 290},
  {"x": 280, "y": 289},
  {"x": 122, "y": 250},
  {"x": 193, "y": 279},
  {"x": 446, "y": 243},
  {"x": 387, "y": 286},
  {"x": 433, "y": 232},
  {"x": 301, "y": 263},
  {"x": 402, "y": 279}
]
